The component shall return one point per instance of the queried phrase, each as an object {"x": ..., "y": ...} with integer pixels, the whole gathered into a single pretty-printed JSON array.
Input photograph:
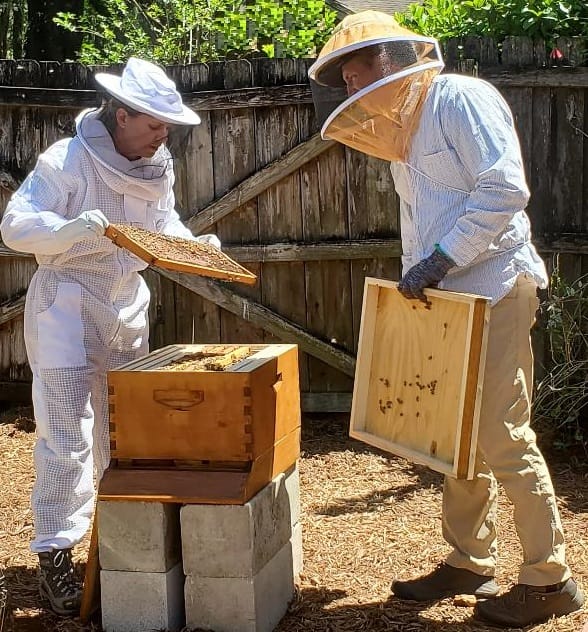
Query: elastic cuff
[{"x": 442, "y": 252}]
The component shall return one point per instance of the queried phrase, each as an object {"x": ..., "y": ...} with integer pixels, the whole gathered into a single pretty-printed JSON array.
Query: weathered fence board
[
  {"x": 234, "y": 163},
  {"x": 265, "y": 318},
  {"x": 249, "y": 188},
  {"x": 540, "y": 170},
  {"x": 373, "y": 213},
  {"x": 196, "y": 319},
  {"x": 328, "y": 292},
  {"x": 279, "y": 205},
  {"x": 568, "y": 172},
  {"x": 521, "y": 104},
  {"x": 12, "y": 308},
  {"x": 15, "y": 273},
  {"x": 318, "y": 250}
]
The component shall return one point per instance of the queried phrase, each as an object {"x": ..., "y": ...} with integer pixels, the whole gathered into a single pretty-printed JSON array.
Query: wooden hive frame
[
  {"x": 236, "y": 272},
  {"x": 419, "y": 375}
]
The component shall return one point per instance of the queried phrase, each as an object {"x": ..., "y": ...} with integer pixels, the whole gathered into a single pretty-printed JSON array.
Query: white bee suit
[{"x": 86, "y": 309}]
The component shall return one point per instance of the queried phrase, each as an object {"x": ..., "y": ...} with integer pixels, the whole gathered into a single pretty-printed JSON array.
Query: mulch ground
[{"x": 366, "y": 518}]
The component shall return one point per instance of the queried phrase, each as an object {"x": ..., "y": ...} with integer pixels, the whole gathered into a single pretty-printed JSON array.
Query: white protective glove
[
  {"x": 87, "y": 225},
  {"x": 210, "y": 239}
]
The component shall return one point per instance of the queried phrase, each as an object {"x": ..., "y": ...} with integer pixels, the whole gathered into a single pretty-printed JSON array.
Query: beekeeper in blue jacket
[{"x": 457, "y": 168}]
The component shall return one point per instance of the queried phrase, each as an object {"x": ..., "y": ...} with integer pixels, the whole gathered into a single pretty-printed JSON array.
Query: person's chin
[{"x": 149, "y": 152}]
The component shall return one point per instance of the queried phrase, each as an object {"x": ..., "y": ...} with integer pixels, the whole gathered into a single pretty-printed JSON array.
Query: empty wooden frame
[{"x": 419, "y": 374}]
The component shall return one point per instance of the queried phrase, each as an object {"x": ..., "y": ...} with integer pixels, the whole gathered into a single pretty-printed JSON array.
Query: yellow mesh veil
[{"x": 381, "y": 118}]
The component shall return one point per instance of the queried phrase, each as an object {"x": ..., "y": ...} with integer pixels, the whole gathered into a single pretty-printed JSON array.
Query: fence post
[
  {"x": 573, "y": 49},
  {"x": 468, "y": 67},
  {"x": 518, "y": 51}
]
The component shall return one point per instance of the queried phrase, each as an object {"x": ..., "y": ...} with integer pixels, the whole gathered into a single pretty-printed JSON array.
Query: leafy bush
[
  {"x": 561, "y": 398},
  {"x": 185, "y": 31},
  {"x": 538, "y": 19}
]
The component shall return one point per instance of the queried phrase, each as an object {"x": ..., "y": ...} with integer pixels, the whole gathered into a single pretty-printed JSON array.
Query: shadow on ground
[
  {"x": 26, "y": 611},
  {"x": 21, "y": 417},
  {"x": 393, "y": 615},
  {"x": 326, "y": 433}
]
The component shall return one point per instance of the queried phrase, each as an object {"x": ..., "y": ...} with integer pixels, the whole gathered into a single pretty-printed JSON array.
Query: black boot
[
  {"x": 523, "y": 604},
  {"x": 58, "y": 583},
  {"x": 445, "y": 581}
]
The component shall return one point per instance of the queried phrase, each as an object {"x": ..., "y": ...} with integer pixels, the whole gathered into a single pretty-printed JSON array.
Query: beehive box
[
  {"x": 419, "y": 374},
  {"x": 202, "y": 423}
]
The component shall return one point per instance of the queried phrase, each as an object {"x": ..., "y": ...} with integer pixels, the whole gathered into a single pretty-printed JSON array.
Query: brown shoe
[
  {"x": 445, "y": 581},
  {"x": 523, "y": 604}
]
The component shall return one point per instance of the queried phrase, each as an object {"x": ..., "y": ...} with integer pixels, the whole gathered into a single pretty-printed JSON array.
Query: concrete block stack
[
  {"x": 241, "y": 561},
  {"x": 141, "y": 577},
  {"x": 226, "y": 568}
]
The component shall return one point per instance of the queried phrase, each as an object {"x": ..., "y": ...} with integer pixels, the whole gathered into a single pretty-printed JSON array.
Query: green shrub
[
  {"x": 186, "y": 31},
  {"x": 538, "y": 19},
  {"x": 561, "y": 397}
]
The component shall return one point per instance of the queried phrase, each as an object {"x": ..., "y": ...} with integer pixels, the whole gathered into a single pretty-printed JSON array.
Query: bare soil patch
[{"x": 366, "y": 518}]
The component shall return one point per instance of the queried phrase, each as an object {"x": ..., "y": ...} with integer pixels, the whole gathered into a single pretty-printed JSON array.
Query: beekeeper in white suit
[
  {"x": 86, "y": 306},
  {"x": 457, "y": 168}
]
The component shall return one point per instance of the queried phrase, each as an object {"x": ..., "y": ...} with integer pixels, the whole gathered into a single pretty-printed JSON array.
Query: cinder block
[
  {"x": 292, "y": 482},
  {"x": 239, "y": 540},
  {"x": 297, "y": 554},
  {"x": 242, "y": 604},
  {"x": 138, "y": 536},
  {"x": 137, "y": 602}
]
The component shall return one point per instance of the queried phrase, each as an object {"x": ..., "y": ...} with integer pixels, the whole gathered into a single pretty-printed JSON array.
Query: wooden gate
[{"x": 309, "y": 217}]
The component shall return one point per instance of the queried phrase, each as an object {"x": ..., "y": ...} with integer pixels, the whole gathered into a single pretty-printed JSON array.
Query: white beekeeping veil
[{"x": 380, "y": 118}]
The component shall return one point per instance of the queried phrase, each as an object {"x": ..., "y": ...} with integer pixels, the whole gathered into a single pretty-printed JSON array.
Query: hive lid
[{"x": 181, "y": 255}]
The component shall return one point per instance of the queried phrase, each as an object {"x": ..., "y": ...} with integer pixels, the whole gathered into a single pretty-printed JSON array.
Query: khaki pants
[{"x": 507, "y": 452}]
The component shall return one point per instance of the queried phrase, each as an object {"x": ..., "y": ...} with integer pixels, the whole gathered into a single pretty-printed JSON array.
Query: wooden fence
[{"x": 310, "y": 217}]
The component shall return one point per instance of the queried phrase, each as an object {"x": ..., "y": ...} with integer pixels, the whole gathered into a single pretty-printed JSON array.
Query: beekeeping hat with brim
[
  {"x": 146, "y": 88},
  {"x": 380, "y": 118}
]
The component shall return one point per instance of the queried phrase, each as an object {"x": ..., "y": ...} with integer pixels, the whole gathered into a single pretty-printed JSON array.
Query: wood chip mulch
[{"x": 366, "y": 518}]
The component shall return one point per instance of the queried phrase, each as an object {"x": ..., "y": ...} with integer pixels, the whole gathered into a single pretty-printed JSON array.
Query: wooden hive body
[
  {"x": 419, "y": 374},
  {"x": 214, "y": 436}
]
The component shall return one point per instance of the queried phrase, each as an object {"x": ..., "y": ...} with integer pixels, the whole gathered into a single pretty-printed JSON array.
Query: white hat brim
[{"x": 112, "y": 85}]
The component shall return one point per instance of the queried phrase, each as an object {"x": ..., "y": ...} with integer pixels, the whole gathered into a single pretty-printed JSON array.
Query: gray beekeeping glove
[{"x": 426, "y": 273}]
